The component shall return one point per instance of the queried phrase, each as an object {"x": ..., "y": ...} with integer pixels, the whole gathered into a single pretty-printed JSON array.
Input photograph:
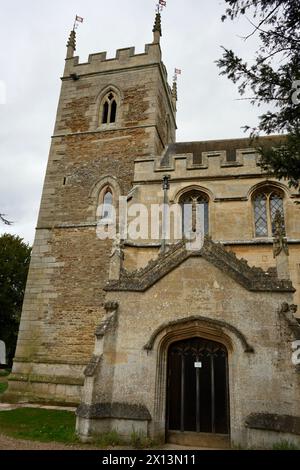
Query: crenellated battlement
[
  {"x": 124, "y": 58},
  {"x": 201, "y": 159}
]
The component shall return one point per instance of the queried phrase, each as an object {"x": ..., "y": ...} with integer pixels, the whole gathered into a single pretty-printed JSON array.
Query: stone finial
[
  {"x": 280, "y": 247},
  {"x": 174, "y": 91},
  {"x": 157, "y": 29},
  {"x": 71, "y": 45},
  {"x": 174, "y": 94}
]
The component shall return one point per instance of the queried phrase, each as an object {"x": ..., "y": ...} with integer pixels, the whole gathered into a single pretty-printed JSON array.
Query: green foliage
[
  {"x": 14, "y": 264},
  {"x": 283, "y": 161},
  {"x": 270, "y": 78},
  {"x": 109, "y": 439},
  {"x": 39, "y": 425},
  {"x": 285, "y": 445}
]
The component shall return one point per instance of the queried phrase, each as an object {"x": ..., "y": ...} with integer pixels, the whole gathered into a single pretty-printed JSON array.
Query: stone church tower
[
  {"x": 146, "y": 334},
  {"x": 110, "y": 112}
]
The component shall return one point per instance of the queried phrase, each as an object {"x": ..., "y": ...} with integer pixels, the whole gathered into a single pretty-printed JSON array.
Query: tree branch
[
  {"x": 4, "y": 220},
  {"x": 274, "y": 53},
  {"x": 272, "y": 32},
  {"x": 257, "y": 28}
]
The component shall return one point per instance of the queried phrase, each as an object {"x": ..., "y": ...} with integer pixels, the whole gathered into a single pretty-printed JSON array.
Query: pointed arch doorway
[{"x": 197, "y": 389}]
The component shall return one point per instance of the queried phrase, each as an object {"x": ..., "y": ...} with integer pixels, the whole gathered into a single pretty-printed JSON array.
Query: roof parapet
[{"x": 124, "y": 58}]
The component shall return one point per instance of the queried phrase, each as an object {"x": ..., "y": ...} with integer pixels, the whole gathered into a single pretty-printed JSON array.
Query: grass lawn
[
  {"x": 36, "y": 424},
  {"x": 39, "y": 425}
]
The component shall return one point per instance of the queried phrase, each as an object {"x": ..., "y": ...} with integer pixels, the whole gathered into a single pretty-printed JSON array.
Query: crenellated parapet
[
  {"x": 124, "y": 58},
  {"x": 204, "y": 158}
]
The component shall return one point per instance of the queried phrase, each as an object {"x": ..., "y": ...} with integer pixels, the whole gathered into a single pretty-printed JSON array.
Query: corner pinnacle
[
  {"x": 71, "y": 45},
  {"x": 157, "y": 28},
  {"x": 174, "y": 91}
]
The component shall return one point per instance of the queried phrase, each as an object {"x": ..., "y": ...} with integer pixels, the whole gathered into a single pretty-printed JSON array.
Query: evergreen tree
[{"x": 273, "y": 78}]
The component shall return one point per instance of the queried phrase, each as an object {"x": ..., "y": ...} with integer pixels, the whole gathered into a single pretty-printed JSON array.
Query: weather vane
[
  {"x": 161, "y": 5},
  {"x": 78, "y": 19},
  {"x": 176, "y": 73}
]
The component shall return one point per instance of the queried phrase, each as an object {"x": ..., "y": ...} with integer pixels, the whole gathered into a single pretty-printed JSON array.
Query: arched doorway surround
[{"x": 183, "y": 329}]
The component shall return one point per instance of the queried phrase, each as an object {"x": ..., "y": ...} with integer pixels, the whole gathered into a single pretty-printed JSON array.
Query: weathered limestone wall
[
  {"x": 262, "y": 256},
  {"x": 229, "y": 186},
  {"x": 198, "y": 289},
  {"x": 63, "y": 304}
]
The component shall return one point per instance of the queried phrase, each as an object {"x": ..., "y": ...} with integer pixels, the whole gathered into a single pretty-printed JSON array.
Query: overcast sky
[{"x": 33, "y": 37}]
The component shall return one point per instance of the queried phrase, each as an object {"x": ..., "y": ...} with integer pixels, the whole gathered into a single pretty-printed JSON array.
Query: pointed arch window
[
  {"x": 266, "y": 203},
  {"x": 107, "y": 206},
  {"x": 109, "y": 109},
  {"x": 195, "y": 212}
]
